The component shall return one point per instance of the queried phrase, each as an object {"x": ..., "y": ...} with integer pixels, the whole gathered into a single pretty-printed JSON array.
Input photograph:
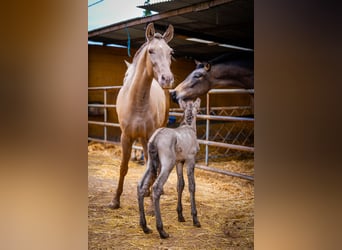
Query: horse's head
[
  {"x": 195, "y": 84},
  {"x": 159, "y": 54}
]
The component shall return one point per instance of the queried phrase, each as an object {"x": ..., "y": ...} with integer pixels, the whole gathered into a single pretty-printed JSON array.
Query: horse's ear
[
  {"x": 168, "y": 35},
  {"x": 207, "y": 66},
  {"x": 127, "y": 63},
  {"x": 198, "y": 102},
  {"x": 197, "y": 62},
  {"x": 150, "y": 31}
]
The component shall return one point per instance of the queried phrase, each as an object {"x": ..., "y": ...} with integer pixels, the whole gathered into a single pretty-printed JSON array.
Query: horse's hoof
[
  {"x": 181, "y": 219},
  {"x": 163, "y": 235},
  {"x": 197, "y": 224},
  {"x": 114, "y": 205},
  {"x": 147, "y": 230}
]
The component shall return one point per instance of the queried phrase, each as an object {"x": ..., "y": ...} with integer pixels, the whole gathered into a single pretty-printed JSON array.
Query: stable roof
[{"x": 217, "y": 23}]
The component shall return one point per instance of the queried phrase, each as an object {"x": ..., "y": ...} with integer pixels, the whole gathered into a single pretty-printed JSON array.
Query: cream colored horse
[{"x": 143, "y": 100}]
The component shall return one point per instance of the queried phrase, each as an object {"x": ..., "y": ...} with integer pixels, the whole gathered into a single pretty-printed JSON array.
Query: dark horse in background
[{"x": 228, "y": 70}]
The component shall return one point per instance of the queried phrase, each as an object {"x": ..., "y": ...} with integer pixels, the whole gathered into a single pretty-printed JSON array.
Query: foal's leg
[
  {"x": 144, "y": 145},
  {"x": 180, "y": 188},
  {"x": 145, "y": 150},
  {"x": 141, "y": 190},
  {"x": 192, "y": 187},
  {"x": 126, "y": 144},
  {"x": 157, "y": 189}
]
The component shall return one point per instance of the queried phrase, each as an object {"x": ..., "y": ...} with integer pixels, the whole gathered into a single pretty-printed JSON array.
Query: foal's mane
[{"x": 187, "y": 116}]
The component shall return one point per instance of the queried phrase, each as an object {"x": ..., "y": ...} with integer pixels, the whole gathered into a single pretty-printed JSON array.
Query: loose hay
[{"x": 225, "y": 207}]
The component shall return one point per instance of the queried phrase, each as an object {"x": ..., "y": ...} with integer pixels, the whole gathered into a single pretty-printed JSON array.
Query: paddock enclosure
[
  {"x": 224, "y": 170},
  {"x": 225, "y": 206}
]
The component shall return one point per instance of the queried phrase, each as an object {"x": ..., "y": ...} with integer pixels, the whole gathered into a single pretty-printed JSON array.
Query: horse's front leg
[
  {"x": 180, "y": 188},
  {"x": 192, "y": 187},
  {"x": 126, "y": 144}
]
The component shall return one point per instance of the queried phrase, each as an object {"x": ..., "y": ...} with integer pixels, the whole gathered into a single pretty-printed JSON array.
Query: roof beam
[{"x": 126, "y": 24}]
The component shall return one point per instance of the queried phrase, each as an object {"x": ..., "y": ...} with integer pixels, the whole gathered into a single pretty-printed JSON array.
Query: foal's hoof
[
  {"x": 197, "y": 224},
  {"x": 147, "y": 230},
  {"x": 164, "y": 235},
  {"x": 181, "y": 219},
  {"x": 114, "y": 204}
]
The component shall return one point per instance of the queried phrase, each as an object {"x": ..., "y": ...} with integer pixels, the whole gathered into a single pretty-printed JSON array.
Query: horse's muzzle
[
  {"x": 173, "y": 94},
  {"x": 166, "y": 81}
]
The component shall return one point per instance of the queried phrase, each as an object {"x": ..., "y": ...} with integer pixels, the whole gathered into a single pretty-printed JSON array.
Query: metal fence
[{"x": 213, "y": 116}]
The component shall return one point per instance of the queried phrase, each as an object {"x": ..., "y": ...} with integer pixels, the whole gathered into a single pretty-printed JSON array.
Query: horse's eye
[
  {"x": 151, "y": 51},
  {"x": 198, "y": 75}
]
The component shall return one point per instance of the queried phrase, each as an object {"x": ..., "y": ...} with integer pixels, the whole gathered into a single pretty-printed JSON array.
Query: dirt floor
[{"x": 225, "y": 206}]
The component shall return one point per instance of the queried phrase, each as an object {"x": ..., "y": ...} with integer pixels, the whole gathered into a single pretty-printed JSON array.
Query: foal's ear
[
  {"x": 197, "y": 103},
  {"x": 168, "y": 35},
  {"x": 150, "y": 31},
  {"x": 182, "y": 104}
]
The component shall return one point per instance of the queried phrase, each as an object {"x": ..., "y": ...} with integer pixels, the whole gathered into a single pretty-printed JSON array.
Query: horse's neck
[
  {"x": 140, "y": 85},
  {"x": 192, "y": 125},
  {"x": 231, "y": 77}
]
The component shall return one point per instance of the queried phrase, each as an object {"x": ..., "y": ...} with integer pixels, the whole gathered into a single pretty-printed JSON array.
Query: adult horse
[
  {"x": 143, "y": 100},
  {"x": 228, "y": 70}
]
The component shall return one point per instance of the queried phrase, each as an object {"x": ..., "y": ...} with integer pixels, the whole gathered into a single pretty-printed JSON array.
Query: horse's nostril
[{"x": 174, "y": 96}]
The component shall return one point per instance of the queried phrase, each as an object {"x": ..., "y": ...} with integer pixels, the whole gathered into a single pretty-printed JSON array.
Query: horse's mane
[
  {"x": 137, "y": 54},
  {"x": 242, "y": 58},
  {"x": 187, "y": 116}
]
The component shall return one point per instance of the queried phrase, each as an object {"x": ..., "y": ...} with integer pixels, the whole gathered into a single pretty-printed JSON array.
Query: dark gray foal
[{"x": 166, "y": 148}]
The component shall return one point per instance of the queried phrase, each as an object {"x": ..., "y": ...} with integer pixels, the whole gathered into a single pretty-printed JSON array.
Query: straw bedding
[{"x": 225, "y": 206}]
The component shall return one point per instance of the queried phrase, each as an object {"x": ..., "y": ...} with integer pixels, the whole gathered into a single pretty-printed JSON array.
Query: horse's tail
[{"x": 153, "y": 156}]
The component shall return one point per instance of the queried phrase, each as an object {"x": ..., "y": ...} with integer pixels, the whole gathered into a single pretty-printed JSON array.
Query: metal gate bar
[{"x": 206, "y": 117}]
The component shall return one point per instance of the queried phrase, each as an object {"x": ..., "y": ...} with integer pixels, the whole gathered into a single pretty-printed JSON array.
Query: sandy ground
[{"x": 225, "y": 207}]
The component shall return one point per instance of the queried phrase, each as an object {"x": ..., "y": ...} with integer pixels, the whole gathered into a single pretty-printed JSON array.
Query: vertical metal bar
[
  {"x": 207, "y": 132},
  {"x": 105, "y": 114}
]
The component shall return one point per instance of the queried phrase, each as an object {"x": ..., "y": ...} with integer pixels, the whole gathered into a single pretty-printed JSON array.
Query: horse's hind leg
[
  {"x": 141, "y": 190},
  {"x": 157, "y": 191},
  {"x": 192, "y": 187},
  {"x": 180, "y": 188},
  {"x": 126, "y": 144}
]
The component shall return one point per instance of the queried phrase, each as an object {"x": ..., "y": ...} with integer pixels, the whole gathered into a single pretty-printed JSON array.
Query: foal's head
[
  {"x": 159, "y": 55},
  {"x": 190, "y": 111}
]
